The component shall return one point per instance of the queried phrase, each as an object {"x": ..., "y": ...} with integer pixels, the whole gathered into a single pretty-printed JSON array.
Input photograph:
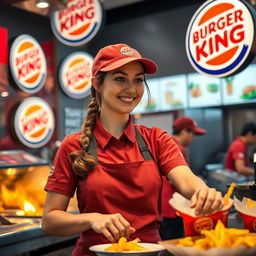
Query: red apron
[{"x": 131, "y": 189}]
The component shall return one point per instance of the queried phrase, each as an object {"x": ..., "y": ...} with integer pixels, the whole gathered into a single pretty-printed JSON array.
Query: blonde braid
[{"x": 82, "y": 162}]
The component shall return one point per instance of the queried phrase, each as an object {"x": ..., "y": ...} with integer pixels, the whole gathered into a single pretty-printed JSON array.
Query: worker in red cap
[
  {"x": 184, "y": 131},
  {"x": 115, "y": 166}
]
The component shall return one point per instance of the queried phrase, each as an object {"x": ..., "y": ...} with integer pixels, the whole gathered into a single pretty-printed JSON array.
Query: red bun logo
[
  {"x": 28, "y": 64},
  {"x": 203, "y": 223},
  {"x": 34, "y": 122},
  {"x": 220, "y": 37},
  {"x": 75, "y": 75},
  {"x": 78, "y": 23}
]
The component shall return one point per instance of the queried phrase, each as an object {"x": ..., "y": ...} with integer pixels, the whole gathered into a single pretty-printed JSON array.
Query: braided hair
[{"x": 82, "y": 162}]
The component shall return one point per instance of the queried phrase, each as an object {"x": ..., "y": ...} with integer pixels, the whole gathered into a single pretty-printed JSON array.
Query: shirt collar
[{"x": 103, "y": 136}]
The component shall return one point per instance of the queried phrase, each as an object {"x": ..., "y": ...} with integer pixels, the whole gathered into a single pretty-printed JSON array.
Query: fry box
[
  {"x": 194, "y": 224},
  {"x": 247, "y": 212}
]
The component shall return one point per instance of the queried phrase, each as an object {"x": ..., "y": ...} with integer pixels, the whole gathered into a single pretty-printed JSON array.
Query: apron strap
[
  {"x": 92, "y": 150},
  {"x": 143, "y": 146}
]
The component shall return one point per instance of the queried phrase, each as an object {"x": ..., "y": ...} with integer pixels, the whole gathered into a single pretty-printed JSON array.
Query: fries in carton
[
  {"x": 220, "y": 241},
  {"x": 194, "y": 224},
  {"x": 247, "y": 210}
]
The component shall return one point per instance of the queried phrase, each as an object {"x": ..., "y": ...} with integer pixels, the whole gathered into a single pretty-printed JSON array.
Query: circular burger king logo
[
  {"x": 78, "y": 23},
  {"x": 28, "y": 64},
  {"x": 75, "y": 75},
  {"x": 220, "y": 39},
  {"x": 34, "y": 122},
  {"x": 203, "y": 223},
  {"x": 126, "y": 51}
]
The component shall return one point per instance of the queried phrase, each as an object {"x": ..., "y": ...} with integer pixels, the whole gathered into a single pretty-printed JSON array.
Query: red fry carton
[
  {"x": 194, "y": 224},
  {"x": 247, "y": 210}
]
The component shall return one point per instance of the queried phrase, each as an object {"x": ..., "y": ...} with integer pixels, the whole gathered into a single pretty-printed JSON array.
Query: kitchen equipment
[{"x": 247, "y": 190}]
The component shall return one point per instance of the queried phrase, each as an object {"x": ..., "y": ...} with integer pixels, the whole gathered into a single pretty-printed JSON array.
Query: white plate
[{"x": 153, "y": 250}]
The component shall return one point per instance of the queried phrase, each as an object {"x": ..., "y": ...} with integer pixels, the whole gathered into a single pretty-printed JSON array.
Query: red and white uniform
[
  {"x": 236, "y": 151},
  {"x": 168, "y": 190},
  {"x": 122, "y": 182}
]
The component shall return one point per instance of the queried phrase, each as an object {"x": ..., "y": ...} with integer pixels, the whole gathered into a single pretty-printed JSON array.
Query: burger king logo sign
[
  {"x": 78, "y": 23},
  {"x": 75, "y": 75},
  {"x": 220, "y": 38},
  {"x": 28, "y": 64},
  {"x": 34, "y": 122}
]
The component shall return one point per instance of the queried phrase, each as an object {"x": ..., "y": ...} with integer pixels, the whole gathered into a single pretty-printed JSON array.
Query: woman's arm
[
  {"x": 56, "y": 221},
  {"x": 205, "y": 200}
]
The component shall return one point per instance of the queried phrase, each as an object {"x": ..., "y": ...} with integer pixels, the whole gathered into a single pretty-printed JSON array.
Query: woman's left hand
[{"x": 206, "y": 201}]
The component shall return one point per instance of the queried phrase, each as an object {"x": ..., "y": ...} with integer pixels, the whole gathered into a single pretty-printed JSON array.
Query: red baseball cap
[
  {"x": 188, "y": 123},
  {"x": 117, "y": 55}
]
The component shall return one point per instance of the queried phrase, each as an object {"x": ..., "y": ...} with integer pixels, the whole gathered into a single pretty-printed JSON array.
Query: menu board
[
  {"x": 203, "y": 91},
  {"x": 240, "y": 88},
  {"x": 152, "y": 104},
  {"x": 173, "y": 92}
]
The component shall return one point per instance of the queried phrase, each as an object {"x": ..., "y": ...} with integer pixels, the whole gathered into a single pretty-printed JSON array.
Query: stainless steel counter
[{"x": 27, "y": 238}]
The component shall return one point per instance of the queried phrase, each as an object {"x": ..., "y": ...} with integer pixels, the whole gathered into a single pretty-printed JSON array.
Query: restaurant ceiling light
[{"x": 42, "y": 4}]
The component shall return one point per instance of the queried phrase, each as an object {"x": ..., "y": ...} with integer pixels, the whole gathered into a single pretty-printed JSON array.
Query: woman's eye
[
  {"x": 139, "y": 80},
  {"x": 120, "y": 79}
]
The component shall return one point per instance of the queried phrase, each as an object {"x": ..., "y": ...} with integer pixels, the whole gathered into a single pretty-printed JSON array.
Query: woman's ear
[{"x": 95, "y": 83}]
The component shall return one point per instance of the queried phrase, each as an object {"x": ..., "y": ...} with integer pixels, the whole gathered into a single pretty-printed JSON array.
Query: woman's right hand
[{"x": 112, "y": 226}]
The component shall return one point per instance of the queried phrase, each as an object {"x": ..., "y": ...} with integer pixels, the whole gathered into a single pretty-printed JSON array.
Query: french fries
[
  {"x": 250, "y": 203},
  {"x": 229, "y": 193},
  {"x": 123, "y": 245},
  {"x": 220, "y": 237}
]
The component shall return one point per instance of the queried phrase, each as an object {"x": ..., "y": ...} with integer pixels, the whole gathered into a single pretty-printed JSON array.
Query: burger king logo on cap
[
  {"x": 78, "y": 23},
  {"x": 28, "y": 64},
  {"x": 75, "y": 75},
  {"x": 126, "y": 51},
  {"x": 220, "y": 39},
  {"x": 34, "y": 122}
]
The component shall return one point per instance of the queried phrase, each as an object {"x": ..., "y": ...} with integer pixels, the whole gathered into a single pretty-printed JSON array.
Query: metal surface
[
  {"x": 220, "y": 178},
  {"x": 17, "y": 224}
]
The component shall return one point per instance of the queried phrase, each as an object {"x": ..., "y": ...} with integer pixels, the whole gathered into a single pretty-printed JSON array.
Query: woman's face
[{"x": 122, "y": 88}]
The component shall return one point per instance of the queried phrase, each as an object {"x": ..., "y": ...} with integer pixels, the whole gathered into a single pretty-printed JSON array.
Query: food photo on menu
[
  {"x": 240, "y": 88},
  {"x": 203, "y": 91},
  {"x": 174, "y": 92}
]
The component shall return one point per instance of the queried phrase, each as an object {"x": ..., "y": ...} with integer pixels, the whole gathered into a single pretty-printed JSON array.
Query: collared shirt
[
  {"x": 164, "y": 151},
  {"x": 236, "y": 151}
]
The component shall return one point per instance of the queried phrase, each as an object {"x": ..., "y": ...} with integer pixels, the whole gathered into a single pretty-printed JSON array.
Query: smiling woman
[{"x": 116, "y": 167}]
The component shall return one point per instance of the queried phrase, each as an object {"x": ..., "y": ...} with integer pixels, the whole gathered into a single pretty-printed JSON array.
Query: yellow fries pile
[
  {"x": 250, "y": 203},
  {"x": 123, "y": 245},
  {"x": 220, "y": 237},
  {"x": 229, "y": 193}
]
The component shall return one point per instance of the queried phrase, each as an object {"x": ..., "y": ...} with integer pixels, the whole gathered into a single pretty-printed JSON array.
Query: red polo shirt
[
  {"x": 111, "y": 150},
  {"x": 236, "y": 151}
]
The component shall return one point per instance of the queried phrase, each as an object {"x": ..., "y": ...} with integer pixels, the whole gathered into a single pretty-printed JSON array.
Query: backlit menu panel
[
  {"x": 173, "y": 91},
  {"x": 240, "y": 88},
  {"x": 203, "y": 91}
]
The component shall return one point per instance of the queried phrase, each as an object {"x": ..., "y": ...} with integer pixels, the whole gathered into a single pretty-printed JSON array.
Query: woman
[{"x": 116, "y": 166}]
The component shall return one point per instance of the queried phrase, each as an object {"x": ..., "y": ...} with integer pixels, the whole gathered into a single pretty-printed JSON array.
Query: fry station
[{"x": 21, "y": 204}]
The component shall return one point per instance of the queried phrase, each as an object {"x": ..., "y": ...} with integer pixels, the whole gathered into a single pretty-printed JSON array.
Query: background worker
[
  {"x": 237, "y": 154},
  {"x": 184, "y": 131}
]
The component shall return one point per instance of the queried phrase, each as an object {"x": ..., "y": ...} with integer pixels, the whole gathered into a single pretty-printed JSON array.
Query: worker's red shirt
[
  {"x": 236, "y": 151},
  {"x": 110, "y": 150}
]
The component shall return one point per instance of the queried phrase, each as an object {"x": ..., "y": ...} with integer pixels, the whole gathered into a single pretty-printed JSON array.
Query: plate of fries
[
  {"x": 214, "y": 242},
  {"x": 129, "y": 248}
]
